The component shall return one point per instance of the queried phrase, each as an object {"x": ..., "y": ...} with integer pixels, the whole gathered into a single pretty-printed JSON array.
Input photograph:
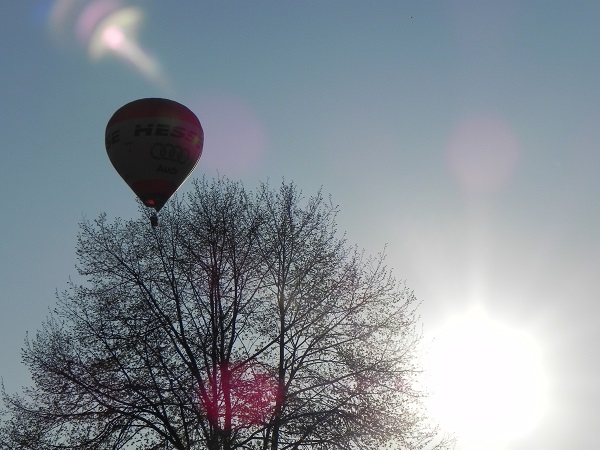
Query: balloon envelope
[{"x": 154, "y": 144}]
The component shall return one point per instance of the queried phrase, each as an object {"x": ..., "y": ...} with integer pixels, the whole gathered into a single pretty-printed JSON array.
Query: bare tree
[{"x": 242, "y": 322}]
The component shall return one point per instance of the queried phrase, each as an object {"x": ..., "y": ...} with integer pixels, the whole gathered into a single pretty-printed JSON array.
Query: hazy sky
[{"x": 461, "y": 134}]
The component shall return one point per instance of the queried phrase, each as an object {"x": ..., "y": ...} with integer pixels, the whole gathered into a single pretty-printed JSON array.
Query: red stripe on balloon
[{"x": 154, "y": 107}]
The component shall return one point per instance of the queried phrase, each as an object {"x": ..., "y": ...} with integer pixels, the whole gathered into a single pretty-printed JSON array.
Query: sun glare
[
  {"x": 486, "y": 381},
  {"x": 117, "y": 34}
]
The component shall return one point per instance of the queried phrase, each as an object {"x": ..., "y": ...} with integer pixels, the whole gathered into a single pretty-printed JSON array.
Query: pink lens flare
[
  {"x": 238, "y": 137},
  {"x": 482, "y": 154},
  {"x": 238, "y": 396}
]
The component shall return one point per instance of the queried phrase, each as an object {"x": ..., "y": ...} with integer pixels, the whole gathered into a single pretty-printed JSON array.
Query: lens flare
[
  {"x": 238, "y": 396},
  {"x": 91, "y": 15},
  {"x": 238, "y": 138},
  {"x": 117, "y": 34},
  {"x": 59, "y": 16},
  {"x": 113, "y": 37},
  {"x": 482, "y": 154},
  {"x": 104, "y": 28}
]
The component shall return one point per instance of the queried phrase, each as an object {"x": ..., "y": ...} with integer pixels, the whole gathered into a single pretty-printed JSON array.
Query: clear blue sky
[{"x": 463, "y": 134}]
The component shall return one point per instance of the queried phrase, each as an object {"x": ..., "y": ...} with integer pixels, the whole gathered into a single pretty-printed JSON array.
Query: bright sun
[{"x": 486, "y": 381}]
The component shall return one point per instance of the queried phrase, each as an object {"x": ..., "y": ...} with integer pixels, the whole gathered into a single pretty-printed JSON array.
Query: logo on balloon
[
  {"x": 170, "y": 152},
  {"x": 154, "y": 143}
]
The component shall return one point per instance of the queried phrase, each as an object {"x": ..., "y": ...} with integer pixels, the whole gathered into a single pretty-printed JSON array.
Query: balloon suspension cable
[{"x": 154, "y": 220}]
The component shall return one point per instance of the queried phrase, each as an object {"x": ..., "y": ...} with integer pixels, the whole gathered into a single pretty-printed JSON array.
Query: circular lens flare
[
  {"x": 238, "y": 396},
  {"x": 238, "y": 138},
  {"x": 482, "y": 154}
]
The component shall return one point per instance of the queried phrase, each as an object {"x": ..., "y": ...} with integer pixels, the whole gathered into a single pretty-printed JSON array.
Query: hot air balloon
[{"x": 154, "y": 144}]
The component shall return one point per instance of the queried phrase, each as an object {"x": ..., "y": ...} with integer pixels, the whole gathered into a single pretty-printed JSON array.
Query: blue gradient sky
[{"x": 464, "y": 135}]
